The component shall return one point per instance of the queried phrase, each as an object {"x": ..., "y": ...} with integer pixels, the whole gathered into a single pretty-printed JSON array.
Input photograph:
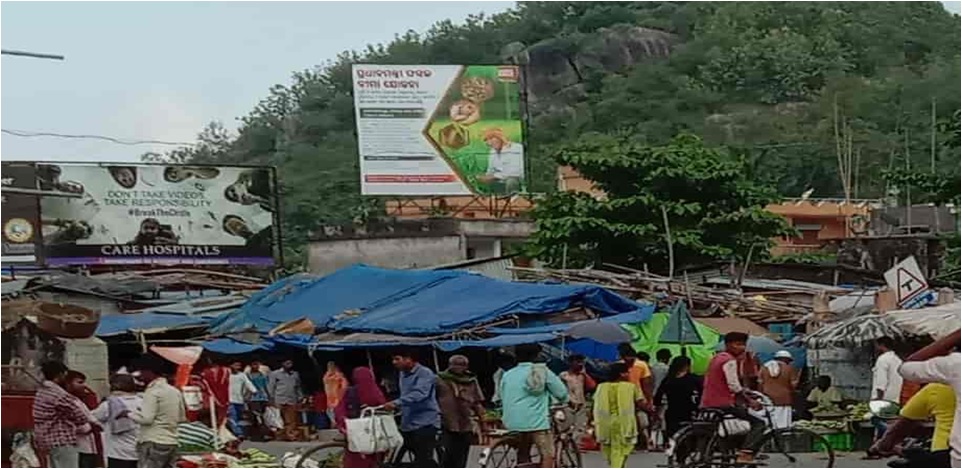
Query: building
[
  {"x": 414, "y": 243},
  {"x": 819, "y": 221}
]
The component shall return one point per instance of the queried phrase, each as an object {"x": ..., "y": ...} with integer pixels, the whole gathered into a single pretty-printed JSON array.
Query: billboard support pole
[
  {"x": 525, "y": 116},
  {"x": 279, "y": 230}
]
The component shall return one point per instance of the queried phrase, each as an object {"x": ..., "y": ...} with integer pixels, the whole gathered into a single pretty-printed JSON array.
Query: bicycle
[
  {"x": 331, "y": 453},
  {"x": 503, "y": 451},
  {"x": 705, "y": 442}
]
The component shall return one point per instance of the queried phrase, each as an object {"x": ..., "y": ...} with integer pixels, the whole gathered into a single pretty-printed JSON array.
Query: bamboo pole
[{"x": 671, "y": 251}]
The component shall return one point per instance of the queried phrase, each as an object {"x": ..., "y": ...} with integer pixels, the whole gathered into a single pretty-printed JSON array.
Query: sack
[
  {"x": 272, "y": 418},
  {"x": 732, "y": 426},
  {"x": 372, "y": 433}
]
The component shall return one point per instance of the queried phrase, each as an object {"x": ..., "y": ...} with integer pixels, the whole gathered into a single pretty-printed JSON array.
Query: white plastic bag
[
  {"x": 732, "y": 426},
  {"x": 24, "y": 455},
  {"x": 272, "y": 418},
  {"x": 372, "y": 433}
]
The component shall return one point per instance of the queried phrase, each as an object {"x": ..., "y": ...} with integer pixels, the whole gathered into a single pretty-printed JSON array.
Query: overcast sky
[{"x": 161, "y": 71}]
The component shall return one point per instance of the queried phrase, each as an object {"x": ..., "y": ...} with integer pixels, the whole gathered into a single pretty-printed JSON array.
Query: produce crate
[{"x": 838, "y": 442}]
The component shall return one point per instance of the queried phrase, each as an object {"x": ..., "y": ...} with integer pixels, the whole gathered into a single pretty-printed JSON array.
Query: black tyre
[
  {"x": 569, "y": 454},
  {"x": 330, "y": 454},
  {"x": 795, "y": 447},
  {"x": 688, "y": 448}
]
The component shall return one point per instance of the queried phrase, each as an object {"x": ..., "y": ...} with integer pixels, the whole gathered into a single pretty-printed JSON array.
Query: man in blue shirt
[
  {"x": 526, "y": 391},
  {"x": 420, "y": 419}
]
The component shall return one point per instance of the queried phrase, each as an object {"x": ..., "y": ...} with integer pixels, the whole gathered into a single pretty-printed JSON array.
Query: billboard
[
  {"x": 439, "y": 129},
  {"x": 156, "y": 214},
  {"x": 20, "y": 214}
]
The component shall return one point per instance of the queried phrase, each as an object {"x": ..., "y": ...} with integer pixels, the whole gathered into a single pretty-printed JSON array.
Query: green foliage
[
  {"x": 714, "y": 211},
  {"x": 762, "y": 79},
  {"x": 815, "y": 258}
]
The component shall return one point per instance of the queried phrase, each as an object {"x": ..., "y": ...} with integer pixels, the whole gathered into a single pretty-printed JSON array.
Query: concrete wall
[
  {"x": 395, "y": 252},
  {"x": 404, "y": 244}
]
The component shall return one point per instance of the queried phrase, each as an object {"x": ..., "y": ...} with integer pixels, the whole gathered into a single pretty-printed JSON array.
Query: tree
[
  {"x": 714, "y": 211},
  {"x": 761, "y": 79}
]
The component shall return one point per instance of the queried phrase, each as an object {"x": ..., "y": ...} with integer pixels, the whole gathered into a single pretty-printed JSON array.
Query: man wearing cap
[{"x": 778, "y": 380}]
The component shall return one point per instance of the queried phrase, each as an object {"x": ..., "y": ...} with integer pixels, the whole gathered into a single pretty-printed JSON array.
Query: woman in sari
[
  {"x": 362, "y": 393},
  {"x": 615, "y": 404}
]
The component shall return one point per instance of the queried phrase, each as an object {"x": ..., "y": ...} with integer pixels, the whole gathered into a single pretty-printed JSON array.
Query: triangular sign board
[{"x": 906, "y": 280}]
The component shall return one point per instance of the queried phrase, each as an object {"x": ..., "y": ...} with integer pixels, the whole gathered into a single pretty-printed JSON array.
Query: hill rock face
[{"x": 558, "y": 67}]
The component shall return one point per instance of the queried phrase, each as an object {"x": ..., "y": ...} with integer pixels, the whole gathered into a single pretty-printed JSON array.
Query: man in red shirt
[
  {"x": 723, "y": 390},
  {"x": 216, "y": 379}
]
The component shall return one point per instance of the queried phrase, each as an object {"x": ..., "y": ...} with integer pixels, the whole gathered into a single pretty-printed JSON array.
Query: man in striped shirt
[{"x": 58, "y": 420}]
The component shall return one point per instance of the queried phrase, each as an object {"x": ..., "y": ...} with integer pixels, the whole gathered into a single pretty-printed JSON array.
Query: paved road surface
[{"x": 592, "y": 459}]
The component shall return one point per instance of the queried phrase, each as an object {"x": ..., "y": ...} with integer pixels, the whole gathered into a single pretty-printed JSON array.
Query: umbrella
[
  {"x": 604, "y": 332},
  {"x": 765, "y": 348}
]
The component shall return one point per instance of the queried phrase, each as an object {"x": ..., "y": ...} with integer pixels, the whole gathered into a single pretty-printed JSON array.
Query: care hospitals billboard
[
  {"x": 439, "y": 129},
  {"x": 150, "y": 214}
]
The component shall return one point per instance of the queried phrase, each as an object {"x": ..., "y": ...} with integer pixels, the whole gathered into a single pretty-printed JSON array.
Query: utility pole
[{"x": 34, "y": 55}]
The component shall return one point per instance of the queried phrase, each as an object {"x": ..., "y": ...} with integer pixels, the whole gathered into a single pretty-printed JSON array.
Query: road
[{"x": 591, "y": 459}]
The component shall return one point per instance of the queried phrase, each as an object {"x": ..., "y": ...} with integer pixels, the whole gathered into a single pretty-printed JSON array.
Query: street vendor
[{"x": 824, "y": 396}]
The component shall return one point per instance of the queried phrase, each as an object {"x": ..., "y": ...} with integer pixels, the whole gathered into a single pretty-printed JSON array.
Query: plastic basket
[{"x": 838, "y": 442}]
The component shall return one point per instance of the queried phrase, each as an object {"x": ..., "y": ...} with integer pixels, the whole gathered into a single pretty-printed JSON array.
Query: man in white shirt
[
  {"x": 505, "y": 161},
  {"x": 239, "y": 388},
  {"x": 939, "y": 362},
  {"x": 160, "y": 413},
  {"x": 886, "y": 380}
]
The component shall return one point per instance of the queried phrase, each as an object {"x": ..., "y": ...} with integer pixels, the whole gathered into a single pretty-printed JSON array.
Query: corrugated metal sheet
[{"x": 494, "y": 267}]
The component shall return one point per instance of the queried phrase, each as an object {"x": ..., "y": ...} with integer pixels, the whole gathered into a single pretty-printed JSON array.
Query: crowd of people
[{"x": 629, "y": 405}]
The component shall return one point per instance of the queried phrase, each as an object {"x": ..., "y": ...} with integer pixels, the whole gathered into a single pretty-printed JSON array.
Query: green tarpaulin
[{"x": 645, "y": 338}]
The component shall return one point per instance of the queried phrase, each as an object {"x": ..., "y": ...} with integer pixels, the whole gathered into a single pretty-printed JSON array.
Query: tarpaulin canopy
[
  {"x": 935, "y": 321},
  {"x": 680, "y": 328},
  {"x": 410, "y": 302},
  {"x": 642, "y": 314},
  {"x": 499, "y": 341},
  {"x": 646, "y": 339},
  {"x": 230, "y": 346},
  {"x": 180, "y": 355},
  {"x": 117, "y": 324}
]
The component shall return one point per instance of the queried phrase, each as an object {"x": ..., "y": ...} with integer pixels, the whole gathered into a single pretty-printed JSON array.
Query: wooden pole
[
  {"x": 691, "y": 304},
  {"x": 908, "y": 186},
  {"x": 671, "y": 251}
]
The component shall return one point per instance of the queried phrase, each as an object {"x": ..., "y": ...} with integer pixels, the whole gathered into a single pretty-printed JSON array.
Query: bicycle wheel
[
  {"x": 568, "y": 453},
  {"x": 686, "y": 448},
  {"x": 504, "y": 453},
  {"x": 795, "y": 447},
  {"x": 330, "y": 454}
]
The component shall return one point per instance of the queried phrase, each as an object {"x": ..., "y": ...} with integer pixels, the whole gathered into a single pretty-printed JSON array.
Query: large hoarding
[
  {"x": 156, "y": 214},
  {"x": 20, "y": 214},
  {"x": 439, "y": 129}
]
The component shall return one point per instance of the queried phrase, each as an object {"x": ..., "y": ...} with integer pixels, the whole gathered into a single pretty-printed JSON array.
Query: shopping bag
[
  {"x": 272, "y": 418},
  {"x": 372, "y": 433}
]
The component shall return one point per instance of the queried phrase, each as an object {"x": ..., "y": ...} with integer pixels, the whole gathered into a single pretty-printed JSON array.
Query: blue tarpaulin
[
  {"x": 229, "y": 346},
  {"x": 116, "y": 324},
  {"x": 494, "y": 342},
  {"x": 642, "y": 314},
  {"x": 410, "y": 302}
]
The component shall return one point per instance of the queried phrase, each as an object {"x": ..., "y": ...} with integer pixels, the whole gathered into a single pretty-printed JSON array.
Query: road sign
[{"x": 906, "y": 280}]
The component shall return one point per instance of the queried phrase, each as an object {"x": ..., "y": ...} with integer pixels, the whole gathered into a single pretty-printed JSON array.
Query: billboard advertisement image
[
  {"x": 21, "y": 224},
  {"x": 149, "y": 214},
  {"x": 439, "y": 129}
]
